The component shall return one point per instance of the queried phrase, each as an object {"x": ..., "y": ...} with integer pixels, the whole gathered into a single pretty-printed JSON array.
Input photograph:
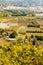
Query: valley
[{"x": 21, "y": 32}]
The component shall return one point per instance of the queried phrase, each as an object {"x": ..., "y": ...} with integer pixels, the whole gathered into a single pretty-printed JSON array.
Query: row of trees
[
  {"x": 22, "y": 30},
  {"x": 3, "y": 32},
  {"x": 39, "y": 37},
  {"x": 21, "y": 12}
]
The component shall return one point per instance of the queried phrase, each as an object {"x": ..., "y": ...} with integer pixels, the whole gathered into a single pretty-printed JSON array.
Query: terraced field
[{"x": 21, "y": 39}]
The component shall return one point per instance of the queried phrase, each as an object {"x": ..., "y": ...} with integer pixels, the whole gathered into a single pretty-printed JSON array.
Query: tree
[
  {"x": 13, "y": 34},
  {"x": 1, "y": 31}
]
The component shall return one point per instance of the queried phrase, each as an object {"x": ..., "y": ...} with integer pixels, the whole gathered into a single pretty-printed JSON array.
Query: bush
[
  {"x": 26, "y": 54},
  {"x": 39, "y": 37},
  {"x": 13, "y": 34},
  {"x": 22, "y": 30},
  {"x": 1, "y": 31}
]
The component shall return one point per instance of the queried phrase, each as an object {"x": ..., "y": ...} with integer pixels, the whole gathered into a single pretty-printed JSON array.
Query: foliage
[
  {"x": 39, "y": 37},
  {"x": 1, "y": 30},
  {"x": 13, "y": 34},
  {"x": 22, "y": 30},
  {"x": 21, "y": 12},
  {"x": 21, "y": 54}
]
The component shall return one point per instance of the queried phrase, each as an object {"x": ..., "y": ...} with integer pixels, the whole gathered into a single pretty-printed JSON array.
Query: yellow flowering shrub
[{"x": 21, "y": 54}]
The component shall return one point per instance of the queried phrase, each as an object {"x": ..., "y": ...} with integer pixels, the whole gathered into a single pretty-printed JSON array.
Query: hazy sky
[{"x": 21, "y": 0}]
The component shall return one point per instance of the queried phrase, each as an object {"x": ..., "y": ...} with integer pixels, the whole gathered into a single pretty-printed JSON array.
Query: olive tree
[{"x": 13, "y": 34}]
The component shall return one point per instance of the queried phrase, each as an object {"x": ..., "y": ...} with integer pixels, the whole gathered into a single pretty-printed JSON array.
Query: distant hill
[{"x": 21, "y": 3}]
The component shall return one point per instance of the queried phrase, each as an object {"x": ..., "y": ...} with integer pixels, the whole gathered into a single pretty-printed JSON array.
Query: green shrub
[
  {"x": 22, "y": 30},
  {"x": 13, "y": 34},
  {"x": 27, "y": 54},
  {"x": 39, "y": 37},
  {"x": 1, "y": 30}
]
